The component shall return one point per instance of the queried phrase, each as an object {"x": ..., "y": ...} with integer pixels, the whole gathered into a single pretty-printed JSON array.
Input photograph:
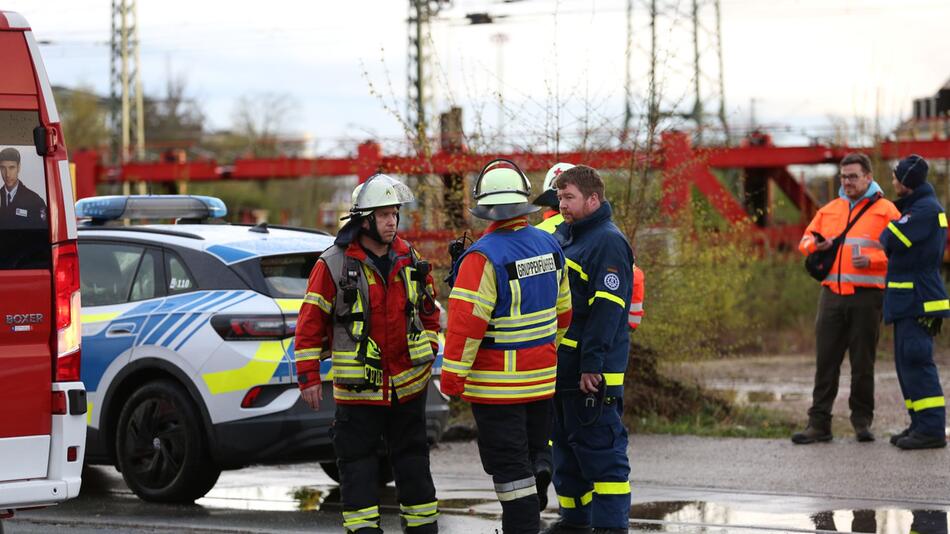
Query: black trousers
[
  {"x": 507, "y": 433},
  {"x": 357, "y": 431},
  {"x": 849, "y": 323}
]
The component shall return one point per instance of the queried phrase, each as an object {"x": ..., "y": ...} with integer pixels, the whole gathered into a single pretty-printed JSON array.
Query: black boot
[
  {"x": 811, "y": 435},
  {"x": 863, "y": 434},
  {"x": 916, "y": 440},
  {"x": 610, "y": 531},
  {"x": 896, "y": 437},
  {"x": 543, "y": 480},
  {"x": 563, "y": 527}
]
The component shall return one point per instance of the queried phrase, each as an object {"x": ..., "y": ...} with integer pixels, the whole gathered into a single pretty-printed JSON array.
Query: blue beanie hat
[{"x": 911, "y": 171}]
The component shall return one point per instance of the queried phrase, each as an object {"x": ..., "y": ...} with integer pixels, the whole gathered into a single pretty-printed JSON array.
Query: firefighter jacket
[
  {"x": 553, "y": 218},
  {"x": 509, "y": 307},
  {"x": 914, "y": 245},
  {"x": 382, "y": 330},
  {"x": 599, "y": 262},
  {"x": 862, "y": 240}
]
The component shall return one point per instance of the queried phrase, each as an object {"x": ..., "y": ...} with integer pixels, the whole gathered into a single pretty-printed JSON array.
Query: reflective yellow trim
[
  {"x": 475, "y": 298},
  {"x": 898, "y": 234},
  {"x": 515, "y": 286},
  {"x": 307, "y": 354},
  {"x": 937, "y": 305},
  {"x": 572, "y": 502},
  {"x": 609, "y": 296},
  {"x": 370, "y": 275},
  {"x": 900, "y": 285},
  {"x": 410, "y": 374},
  {"x": 909, "y": 403},
  {"x": 341, "y": 393},
  {"x": 365, "y": 517},
  {"x": 509, "y": 392},
  {"x": 942, "y": 220},
  {"x": 457, "y": 367},
  {"x": 567, "y": 342},
  {"x": 533, "y": 375},
  {"x": 586, "y": 498},
  {"x": 520, "y": 336},
  {"x": 419, "y": 509},
  {"x": 317, "y": 300},
  {"x": 612, "y": 488},
  {"x": 258, "y": 370},
  {"x": 526, "y": 319},
  {"x": 571, "y": 264},
  {"x": 88, "y": 318},
  {"x": 289, "y": 305},
  {"x": 411, "y": 389},
  {"x": 88, "y": 412},
  {"x": 613, "y": 379},
  {"x": 927, "y": 403}
]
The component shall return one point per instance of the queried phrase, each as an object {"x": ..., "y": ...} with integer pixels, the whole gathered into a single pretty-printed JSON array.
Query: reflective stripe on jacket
[
  {"x": 914, "y": 244},
  {"x": 861, "y": 240},
  {"x": 405, "y": 344},
  {"x": 508, "y": 308}
]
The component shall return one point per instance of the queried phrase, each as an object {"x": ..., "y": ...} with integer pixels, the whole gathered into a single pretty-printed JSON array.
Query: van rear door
[{"x": 37, "y": 262}]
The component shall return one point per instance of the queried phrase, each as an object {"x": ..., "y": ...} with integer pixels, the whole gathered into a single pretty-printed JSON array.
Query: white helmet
[
  {"x": 379, "y": 191},
  {"x": 501, "y": 192},
  {"x": 548, "y": 196}
]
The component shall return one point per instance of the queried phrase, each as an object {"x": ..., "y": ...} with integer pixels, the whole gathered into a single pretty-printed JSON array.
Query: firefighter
[
  {"x": 551, "y": 219},
  {"x": 915, "y": 300},
  {"x": 372, "y": 298},
  {"x": 508, "y": 309},
  {"x": 591, "y": 469}
]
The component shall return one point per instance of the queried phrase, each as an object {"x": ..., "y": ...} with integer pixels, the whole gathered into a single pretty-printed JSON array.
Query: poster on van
[{"x": 24, "y": 213}]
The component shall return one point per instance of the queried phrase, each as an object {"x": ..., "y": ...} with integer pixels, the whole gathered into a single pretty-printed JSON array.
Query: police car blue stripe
[
  {"x": 229, "y": 255},
  {"x": 230, "y": 297},
  {"x": 172, "y": 308},
  {"x": 181, "y": 328}
]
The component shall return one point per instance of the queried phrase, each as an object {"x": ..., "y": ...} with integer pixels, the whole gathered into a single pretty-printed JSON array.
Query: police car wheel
[
  {"x": 160, "y": 445},
  {"x": 385, "y": 471}
]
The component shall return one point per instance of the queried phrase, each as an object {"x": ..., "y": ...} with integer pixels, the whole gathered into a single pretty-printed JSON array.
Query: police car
[{"x": 187, "y": 334}]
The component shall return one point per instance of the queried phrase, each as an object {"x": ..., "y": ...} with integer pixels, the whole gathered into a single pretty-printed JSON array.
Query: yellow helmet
[{"x": 501, "y": 192}]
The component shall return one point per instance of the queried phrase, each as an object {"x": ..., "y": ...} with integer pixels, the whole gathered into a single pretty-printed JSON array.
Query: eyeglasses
[{"x": 851, "y": 177}]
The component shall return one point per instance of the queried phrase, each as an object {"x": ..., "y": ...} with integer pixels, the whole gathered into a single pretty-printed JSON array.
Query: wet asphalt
[{"x": 680, "y": 484}]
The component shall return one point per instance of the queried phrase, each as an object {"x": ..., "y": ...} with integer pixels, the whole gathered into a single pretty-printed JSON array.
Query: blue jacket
[
  {"x": 914, "y": 246},
  {"x": 599, "y": 262},
  {"x": 527, "y": 275}
]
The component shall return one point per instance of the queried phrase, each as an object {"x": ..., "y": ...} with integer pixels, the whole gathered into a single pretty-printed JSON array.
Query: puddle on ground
[
  {"x": 270, "y": 498},
  {"x": 746, "y": 394},
  {"x": 693, "y": 516}
]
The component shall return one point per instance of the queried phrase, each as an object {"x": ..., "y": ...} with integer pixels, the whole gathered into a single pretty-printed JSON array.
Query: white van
[{"x": 42, "y": 401}]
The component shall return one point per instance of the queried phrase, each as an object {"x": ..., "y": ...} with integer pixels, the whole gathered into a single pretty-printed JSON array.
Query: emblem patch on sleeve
[{"x": 612, "y": 281}]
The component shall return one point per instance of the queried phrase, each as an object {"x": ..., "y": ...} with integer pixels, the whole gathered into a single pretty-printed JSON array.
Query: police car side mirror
[{"x": 39, "y": 141}]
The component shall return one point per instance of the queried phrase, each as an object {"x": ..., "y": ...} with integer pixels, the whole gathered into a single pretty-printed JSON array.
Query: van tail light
[
  {"x": 253, "y": 327},
  {"x": 67, "y": 307}
]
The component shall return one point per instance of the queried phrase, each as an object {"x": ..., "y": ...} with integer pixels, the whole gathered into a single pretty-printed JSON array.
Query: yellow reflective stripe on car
[
  {"x": 317, "y": 300},
  {"x": 573, "y": 265},
  {"x": 613, "y": 379},
  {"x": 567, "y": 342},
  {"x": 289, "y": 305},
  {"x": 937, "y": 305},
  {"x": 612, "y": 488},
  {"x": 87, "y": 318},
  {"x": 900, "y": 285},
  {"x": 927, "y": 403},
  {"x": 609, "y": 296},
  {"x": 898, "y": 234},
  {"x": 942, "y": 220},
  {"x": 258, "y": 370}
]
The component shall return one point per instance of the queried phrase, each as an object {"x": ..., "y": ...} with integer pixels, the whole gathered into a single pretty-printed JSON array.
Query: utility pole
[
  {"x": 417, "y": 68},
  {"x": 127, "y": 124},
  {"x": 500, "y": 39},
  {"x": 628, "y": 77}
]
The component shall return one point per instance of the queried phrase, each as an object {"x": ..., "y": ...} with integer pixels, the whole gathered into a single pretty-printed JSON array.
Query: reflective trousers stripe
[
  {"x": 578, "y": 502},
  {"x": 509, "y": 491},
  {"x": 419, "y": 514},
  {"x": 942, "y": 220},
  {"x": 898, "y": 234},
  {"x": 900, "y": 285},
  {"x": 937, "y": 305},
  {"x": 856, "y": 279},
  {"x": 927, "y": 403},
  {"x": 569, "y": 343},
  {"x": 363, "y": 518},
  {"x": 612, "y": 488}
]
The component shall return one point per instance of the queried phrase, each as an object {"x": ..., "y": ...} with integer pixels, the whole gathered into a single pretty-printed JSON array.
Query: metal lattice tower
[
  {"x": 127, "y": 113},
  {"x": 682, "y": 42},
  {"x": 419, "y": 91}
]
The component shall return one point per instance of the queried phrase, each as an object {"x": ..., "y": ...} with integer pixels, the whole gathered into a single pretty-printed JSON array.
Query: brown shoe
[
  {"x": 863, "y": 434},
  {"x": 811, "y": 435}
]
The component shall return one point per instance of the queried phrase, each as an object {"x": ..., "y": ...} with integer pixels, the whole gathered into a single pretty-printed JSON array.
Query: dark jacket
[
  {"x": 599, "y": 261},
  {"x": 914, "y": 246},
  {"x": 27, "y": 210}
]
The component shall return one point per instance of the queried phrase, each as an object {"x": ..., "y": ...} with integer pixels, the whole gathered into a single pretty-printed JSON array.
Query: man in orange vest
[{"x": 852, "y": 295}]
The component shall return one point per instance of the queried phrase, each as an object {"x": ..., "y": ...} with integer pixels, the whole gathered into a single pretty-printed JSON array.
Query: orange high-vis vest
[
  {"x": 862, "y": 240},
  {"x": 635, "y": 313}
]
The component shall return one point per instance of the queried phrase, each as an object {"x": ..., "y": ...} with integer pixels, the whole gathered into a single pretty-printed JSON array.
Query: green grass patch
[{"x": 737, "y": 422}]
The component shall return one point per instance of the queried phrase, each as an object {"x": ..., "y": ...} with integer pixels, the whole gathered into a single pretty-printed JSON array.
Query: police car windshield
[{"x": 286, "y": 276}]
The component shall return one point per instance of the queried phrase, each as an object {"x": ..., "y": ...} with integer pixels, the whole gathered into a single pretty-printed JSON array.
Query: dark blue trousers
[
  {"x": 591, "y": 469},
  {"x": 917, "y": 374}
]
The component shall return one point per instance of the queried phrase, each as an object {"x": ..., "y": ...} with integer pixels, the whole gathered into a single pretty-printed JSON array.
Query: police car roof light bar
[{"x": 110, "y": 208}]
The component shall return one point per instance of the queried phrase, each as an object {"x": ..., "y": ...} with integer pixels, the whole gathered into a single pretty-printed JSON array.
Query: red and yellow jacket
[
  {"x": 831, "y": 220},
  {"x": 388, "y": 328},
  {"x": 485, "y": 375}
]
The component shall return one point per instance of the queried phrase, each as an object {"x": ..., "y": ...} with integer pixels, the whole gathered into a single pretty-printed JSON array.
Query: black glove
[{"x": 931, "y": 324}]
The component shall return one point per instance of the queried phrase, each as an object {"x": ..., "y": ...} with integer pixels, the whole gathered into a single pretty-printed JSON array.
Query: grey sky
[{"x": 802, "y": 60}]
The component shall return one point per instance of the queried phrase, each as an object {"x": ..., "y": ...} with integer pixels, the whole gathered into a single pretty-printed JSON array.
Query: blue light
[{"x": 110, "y": 208}]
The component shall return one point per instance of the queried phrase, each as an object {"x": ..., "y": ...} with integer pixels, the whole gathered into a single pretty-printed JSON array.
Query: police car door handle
[{"x": 119, "y": 330}]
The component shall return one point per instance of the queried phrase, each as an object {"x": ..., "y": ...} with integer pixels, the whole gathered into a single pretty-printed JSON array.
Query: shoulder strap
[{"x": 847, "y": 229}]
